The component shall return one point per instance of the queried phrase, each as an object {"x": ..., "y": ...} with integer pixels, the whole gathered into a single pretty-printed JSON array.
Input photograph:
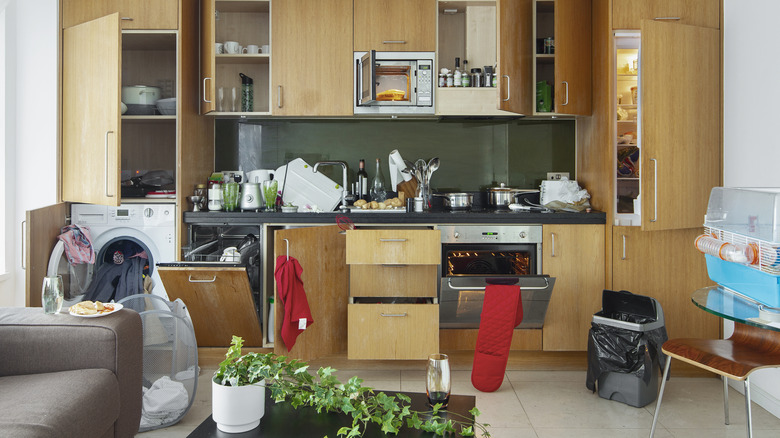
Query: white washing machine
[{"x": 143, "y": 227}]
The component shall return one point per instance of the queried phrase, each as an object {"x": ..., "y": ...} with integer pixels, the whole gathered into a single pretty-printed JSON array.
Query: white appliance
[{"x": 151, "y": 227}]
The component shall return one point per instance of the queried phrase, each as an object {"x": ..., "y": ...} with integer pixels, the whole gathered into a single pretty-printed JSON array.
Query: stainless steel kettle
[{"x": 251, "y": 199}]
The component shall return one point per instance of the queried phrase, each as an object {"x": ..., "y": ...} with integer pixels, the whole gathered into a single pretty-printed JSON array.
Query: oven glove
[{"x": 502, "y": 311}]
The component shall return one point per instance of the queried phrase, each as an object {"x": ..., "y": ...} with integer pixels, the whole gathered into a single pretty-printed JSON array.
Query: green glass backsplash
[{"x": 474, "y": 154}]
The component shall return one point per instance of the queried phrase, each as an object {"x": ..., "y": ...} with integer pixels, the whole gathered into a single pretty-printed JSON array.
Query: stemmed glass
[
  {"x": 438, "y": 382},
  {"x": 52, "y": 294}
]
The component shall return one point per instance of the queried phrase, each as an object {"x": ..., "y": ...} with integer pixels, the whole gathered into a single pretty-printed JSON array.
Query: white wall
[
  {"x": 751, "y": 152},
  {"x": 32, "y": 158}
]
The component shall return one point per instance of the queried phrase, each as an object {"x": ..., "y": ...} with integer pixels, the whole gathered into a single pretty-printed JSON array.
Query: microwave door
[{"x": 367, "y": 78}]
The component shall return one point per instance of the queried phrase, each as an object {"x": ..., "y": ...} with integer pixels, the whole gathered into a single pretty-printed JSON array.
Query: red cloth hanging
[
  {"x": 296, "y": 306},
  {"x": 502, "y": 311}
]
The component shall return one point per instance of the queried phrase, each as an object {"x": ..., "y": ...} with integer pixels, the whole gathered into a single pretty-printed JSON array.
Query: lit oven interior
[{"x": 487, "y": 262}]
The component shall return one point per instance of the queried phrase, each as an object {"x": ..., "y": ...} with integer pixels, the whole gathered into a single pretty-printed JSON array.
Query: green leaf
[
  {"x": 467, "y": 431},
  {"x": 475, "y": 412}
]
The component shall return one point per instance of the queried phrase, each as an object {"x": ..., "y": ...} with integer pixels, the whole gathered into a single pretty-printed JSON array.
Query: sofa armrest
[{"x": 33, "y": 343}]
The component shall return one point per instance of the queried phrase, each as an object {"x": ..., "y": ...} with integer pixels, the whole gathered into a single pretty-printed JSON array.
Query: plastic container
[
  {"x": 730, "y": 252},
  {"x": 753, "y": 283},
  {"x": 752, "y": 212}
]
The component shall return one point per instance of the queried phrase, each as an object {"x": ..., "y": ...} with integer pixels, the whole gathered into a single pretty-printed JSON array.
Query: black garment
[{"x": 114, "y": 282}]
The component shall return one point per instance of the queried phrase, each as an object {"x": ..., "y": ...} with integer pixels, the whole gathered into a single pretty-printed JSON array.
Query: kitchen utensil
[
  {"x": 196, "y": 202},
  {"x": 231, "y": 47},
  {"x": 302, "y": 187},
  {"x": 431, "y": 167},
  {"x": 501, "y": 196},
  {"x": 140, "y": 95},
  {"x": 250, "y": 197},
  {"x": 456, "y": 201},
  {"x": 344, "y": 223},
  {"x": 259, "y": 175},
  {"x": 167, "y": 107}
]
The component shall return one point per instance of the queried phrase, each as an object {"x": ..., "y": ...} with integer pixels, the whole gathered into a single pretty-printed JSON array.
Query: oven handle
[{"x": 546, "y": 285}]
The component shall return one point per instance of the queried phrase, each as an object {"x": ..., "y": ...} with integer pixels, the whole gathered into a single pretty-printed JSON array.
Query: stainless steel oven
[
  {"x": 474, "y": 256},
  {"x": 394, "y": 82}
]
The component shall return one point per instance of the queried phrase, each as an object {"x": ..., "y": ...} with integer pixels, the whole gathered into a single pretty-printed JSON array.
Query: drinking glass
[
  {"x": 230, "y": 196},
  {"x": 270, "y": 189},
  {"x": 52, "y": 294},
  {"x": 438, "y": 382}
]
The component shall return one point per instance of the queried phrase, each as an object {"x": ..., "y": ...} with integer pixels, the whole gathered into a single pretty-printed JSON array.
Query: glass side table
[{"x": 733, "y": 306}]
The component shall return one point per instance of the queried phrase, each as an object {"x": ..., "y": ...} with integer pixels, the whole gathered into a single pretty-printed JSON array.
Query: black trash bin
[{"x": 624, "y": 348}]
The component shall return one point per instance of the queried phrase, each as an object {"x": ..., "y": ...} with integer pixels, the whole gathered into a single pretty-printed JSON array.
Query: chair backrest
[{"x": 762, "y": 340}]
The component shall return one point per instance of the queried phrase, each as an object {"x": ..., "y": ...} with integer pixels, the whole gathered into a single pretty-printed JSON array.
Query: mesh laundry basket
[{"x": 170, "y": 374}]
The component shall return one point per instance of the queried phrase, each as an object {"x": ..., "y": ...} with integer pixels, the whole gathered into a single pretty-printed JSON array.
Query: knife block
[{"x": 408, "y": 188}]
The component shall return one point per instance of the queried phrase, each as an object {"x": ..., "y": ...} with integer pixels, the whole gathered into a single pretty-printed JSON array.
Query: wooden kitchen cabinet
[
  {"x": 393, "y": 331},
  {"x": 568, "y": 70},
  {"x": 628, "y": 14},
  {"x": 395, "y": 25},
  {"x": 515, "y": 59},
  {"x": 133, "y": 14},
  {"x": 574, "y": 255},
  {"x": 312, "y": 67},
  {"x": 665, "y": 265}
]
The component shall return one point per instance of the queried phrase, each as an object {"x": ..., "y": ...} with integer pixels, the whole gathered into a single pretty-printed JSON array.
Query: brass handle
[
  {"x": 202, "y": 281},
  {"x": 24, "y": 249},
  {"x": 205, "y": 97},
  {"x": 393, "y": 240},
  {"x": 279, "y": 98},
  {"x": 624, "y": 248},
  {"x": 394, "y": 42},
  {"x": 655, "y": 192},
  {"x": 566, "y": 95},
  {"x": 508, "y": 90},
  {"x": 393, "y": 315},
  {"x": 552, "y": 244},
  {"x": 107, "y": 169}
]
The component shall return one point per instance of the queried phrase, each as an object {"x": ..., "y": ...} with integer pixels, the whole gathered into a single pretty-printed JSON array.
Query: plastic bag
[{"x": 564, "y": 195}]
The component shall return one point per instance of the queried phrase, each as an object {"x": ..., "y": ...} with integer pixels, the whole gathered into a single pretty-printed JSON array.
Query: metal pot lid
[{"x": 502, "y": 188}]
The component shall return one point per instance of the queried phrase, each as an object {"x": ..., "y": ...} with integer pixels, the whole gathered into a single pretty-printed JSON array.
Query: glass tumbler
[
  {"x": 270, "y": 190},
  {"x": 438, "y": 381},
  {"x": 230, "y": 195},
  {"x": 52, "y": 294}
]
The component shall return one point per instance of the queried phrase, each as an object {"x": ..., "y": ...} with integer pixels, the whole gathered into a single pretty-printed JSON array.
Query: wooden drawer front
[
  {"x": 403, "y": 247},
  {"x": 393, "y": 280},
  {"x": 392, "y": 331},
  {"x": 628, "y": 14},
  {"x": 133, "y": 14}
]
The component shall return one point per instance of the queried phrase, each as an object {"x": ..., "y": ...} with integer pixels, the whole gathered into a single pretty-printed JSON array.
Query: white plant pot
[{"x": 237, "y": 408}]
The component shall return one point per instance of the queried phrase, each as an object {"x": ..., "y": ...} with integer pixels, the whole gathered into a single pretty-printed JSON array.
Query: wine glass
[
  {"x": 52, "y": 294},
  {"x": 438, "y": 382}
]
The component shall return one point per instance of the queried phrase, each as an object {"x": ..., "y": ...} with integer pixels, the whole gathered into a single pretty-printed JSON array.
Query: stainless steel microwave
[{"x": 394, "y": 82}]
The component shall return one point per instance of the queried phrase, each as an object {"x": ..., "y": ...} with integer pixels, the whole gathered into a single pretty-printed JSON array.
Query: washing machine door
[{"x": 75, "y": 278}]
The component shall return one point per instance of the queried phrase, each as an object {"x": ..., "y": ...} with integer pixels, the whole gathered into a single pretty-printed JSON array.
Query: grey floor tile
[{"x": 601, "y": 433}]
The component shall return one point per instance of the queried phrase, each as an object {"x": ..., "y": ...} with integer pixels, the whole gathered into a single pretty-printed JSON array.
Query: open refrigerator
[{"x": 627, "y": 128}]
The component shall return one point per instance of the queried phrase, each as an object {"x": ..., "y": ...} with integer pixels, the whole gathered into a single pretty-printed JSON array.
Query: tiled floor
[{"x": 552, "y": 404}]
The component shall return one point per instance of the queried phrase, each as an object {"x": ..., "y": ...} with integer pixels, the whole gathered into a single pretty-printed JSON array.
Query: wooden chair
[{"x": 748, "y": 349}]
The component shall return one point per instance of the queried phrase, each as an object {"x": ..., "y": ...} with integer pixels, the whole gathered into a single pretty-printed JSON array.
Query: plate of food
[{"x": 93, "y": 309}]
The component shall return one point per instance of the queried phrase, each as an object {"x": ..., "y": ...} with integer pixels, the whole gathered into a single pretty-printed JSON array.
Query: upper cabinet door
[
  {"x": 679, "y": 93},
  {"x": 91, "y": 128},
  {"x": 395, "y": 25},
  {"x": 312, "y": 64},
  {"x": 207, "y": 91},
  {"x": 572, "y": 57},
  {"x": 628, "y": 14},
  {"x": 134, "y": 14},
  {"x": 515, "y": 63}
]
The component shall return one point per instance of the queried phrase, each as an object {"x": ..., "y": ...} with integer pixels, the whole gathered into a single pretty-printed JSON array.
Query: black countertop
[{"x": 428, "y": 218}]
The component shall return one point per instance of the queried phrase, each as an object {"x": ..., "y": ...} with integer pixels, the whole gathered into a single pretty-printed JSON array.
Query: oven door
[
  {"x": 386, "y": 82},
  {"x": 461, "y": 298}
]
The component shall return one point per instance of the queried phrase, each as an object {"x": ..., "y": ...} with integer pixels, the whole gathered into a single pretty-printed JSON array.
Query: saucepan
[{"x": 456, "y": 201}]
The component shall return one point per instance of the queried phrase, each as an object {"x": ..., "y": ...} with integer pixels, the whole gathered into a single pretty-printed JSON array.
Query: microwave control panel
[{"x": 425, "y": 82}]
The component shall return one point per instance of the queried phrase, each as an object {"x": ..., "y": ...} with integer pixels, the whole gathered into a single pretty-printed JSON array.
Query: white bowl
[
  {"x": 290, "y": 209},
  {"x": 167, "y": 107}
]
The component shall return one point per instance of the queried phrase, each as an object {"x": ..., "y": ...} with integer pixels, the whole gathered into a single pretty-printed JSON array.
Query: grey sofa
[{"x": 63, "y": 376}]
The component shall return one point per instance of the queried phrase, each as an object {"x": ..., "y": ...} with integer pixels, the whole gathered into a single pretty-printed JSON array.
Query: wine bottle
[
  {"x": 378, "y": 192},
  {"x": 362, "y": 180}
]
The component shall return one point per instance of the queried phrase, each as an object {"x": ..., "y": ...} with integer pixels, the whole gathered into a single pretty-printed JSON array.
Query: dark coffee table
[{"x": 283, "y": 421}]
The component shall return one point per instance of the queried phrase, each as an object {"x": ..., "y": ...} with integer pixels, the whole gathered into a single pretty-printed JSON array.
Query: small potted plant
[{"x": 288, "y": 380}]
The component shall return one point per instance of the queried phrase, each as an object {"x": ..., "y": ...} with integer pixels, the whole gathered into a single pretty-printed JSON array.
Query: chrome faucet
[{"x": 343, "y": 178}]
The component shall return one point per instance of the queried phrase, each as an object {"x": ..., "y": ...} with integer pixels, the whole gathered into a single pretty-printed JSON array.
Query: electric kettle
[
  {"x": 251, "y": 199},
  {"x": 259, "y": 175}
]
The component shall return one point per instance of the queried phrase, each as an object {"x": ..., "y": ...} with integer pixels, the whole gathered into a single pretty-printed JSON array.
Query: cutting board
[{"x": 303, "y": 187}]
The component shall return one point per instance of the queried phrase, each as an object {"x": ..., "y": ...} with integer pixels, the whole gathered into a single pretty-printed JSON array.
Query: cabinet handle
[
  {"x": 553, "y": 244},
  {"x": 666, "y": 19},
  {"x": 394, "y": 42},
  {"x": 566, "y": 95},
  {"x": 24, "y": 249},
  {"x": 453, "y": 287},
  {"x": 394, "y": 315},
  {"x": 213, "y": 279},
  {"x": 205, "y": 96},
  {"x": 655, "y": 191},
  {"x": 107, "y": 169},
  {"x": 126, "y": 18},
  {"x": 393, "y": 240},
  {"x": 508, "y": 90},
  {"x": 624, "y": 248},
  {"x": 279, "y": 97},
  {"x": 387, "y": 265}
]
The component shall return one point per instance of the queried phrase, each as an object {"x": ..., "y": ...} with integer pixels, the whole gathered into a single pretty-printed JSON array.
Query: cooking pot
[
  {"x": 259, "y": 175},
  {"x": 456, "y": 201},
  {"x": 501, "y": 196},
  {"x": 140, "y": 95}
]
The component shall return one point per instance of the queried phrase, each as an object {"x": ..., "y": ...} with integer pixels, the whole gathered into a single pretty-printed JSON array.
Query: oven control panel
[{"x": 491, "y": 233}]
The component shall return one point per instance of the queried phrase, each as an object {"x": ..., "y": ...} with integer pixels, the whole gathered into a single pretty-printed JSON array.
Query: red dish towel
[
  {"x": 296, "y": 306},
  {"x": 502, "y": 311}
]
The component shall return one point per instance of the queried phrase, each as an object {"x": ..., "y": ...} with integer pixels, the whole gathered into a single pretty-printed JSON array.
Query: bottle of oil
[{"x": 247, "y": 93}]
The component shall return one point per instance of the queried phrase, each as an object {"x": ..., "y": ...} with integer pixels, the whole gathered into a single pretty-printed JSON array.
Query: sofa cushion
[{"x": 79, "y": 403}]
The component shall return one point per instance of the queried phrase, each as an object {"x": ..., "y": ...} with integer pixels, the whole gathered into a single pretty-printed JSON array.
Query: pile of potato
[{"x": 373, "y": 205}]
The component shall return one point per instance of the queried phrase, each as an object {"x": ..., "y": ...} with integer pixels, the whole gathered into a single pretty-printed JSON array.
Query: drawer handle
[
  {"x": 126, "y": 18},
  {"x": 394, "y": 315},
  {"x": 202, "y": 281},
  {"x": 394, "y": 42},
  {"x": 393, "y": 240},
  {"x": 667, "y": 19},
  {"x": 388, "y": 265}
]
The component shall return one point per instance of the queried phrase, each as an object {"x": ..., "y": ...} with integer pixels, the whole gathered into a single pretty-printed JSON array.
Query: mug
[
  {"x": 252, "y": 49},
  {"x": 218, "y": 48},
  {"x": 265, "y": 48},
  {"x": 232, "y": 47}
]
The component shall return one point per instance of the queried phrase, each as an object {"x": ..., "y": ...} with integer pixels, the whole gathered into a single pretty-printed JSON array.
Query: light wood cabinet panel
[
  {"x": 405, "y": 247},
  {"x": 395, "y": 25},
  {"x": 41, "y": 228},
  {"x": 393, "y": 280},
  {"x": 393, "y": 331},
  {"x": 312, "y": 65},
  {"x": 666, "y": 266},
  {"x": 133, "y": 14},
  {"x": 680, "y": 68},
  {"x": 208, "y": 64},
  {"x": 628, "y": 14},
  {"x": 574, "y": 255},
  {"x": 572, "y": 57},
  {"x": 515, "y": 63},
  {"x": 91, "y": 128}
]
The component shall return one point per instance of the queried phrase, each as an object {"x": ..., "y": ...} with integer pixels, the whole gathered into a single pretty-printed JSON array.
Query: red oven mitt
[
  {"x": 502, "y": 311},
  {"x": 293, "y": 296}
]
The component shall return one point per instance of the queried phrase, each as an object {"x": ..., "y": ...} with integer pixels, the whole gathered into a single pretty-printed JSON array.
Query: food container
[
  {"x": 140, "y": 95},
  {"x": 456, "y": 201},
  {"x": 167, "y": 107}
]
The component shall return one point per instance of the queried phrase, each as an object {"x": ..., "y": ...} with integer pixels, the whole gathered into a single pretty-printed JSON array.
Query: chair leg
[
  {"x": 726, "y": 397},
  {"x": 749, "y": 420},
  {"x": 660, "y": 395}
]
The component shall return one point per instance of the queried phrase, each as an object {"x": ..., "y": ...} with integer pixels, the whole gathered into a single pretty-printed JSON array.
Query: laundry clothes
[
  {"x": 114, "y": 282},
  {"x": 502, "y": 311},
  {"x": 78, "y": 244},
  {"x": 163, "y": 403},
  {"x": 297, "y": 316}
]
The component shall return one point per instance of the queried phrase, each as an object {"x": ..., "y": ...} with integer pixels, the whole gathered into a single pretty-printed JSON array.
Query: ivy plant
[{"x": 289, "y": 380}]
